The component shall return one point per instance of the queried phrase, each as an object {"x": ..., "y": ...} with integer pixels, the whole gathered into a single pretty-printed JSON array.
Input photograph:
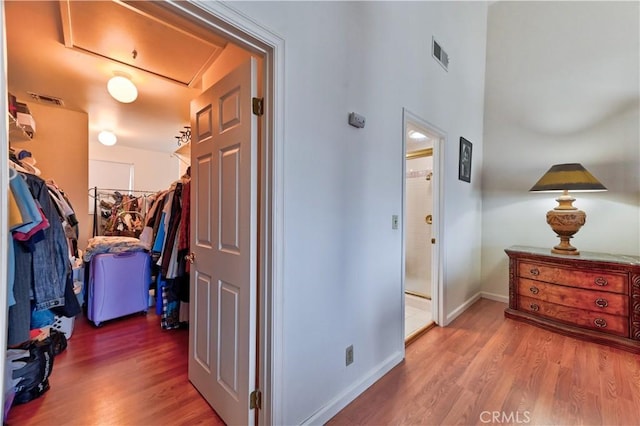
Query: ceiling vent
[
  {"x": 439, "y": 54},
  {"x": 44, "y": 99}
]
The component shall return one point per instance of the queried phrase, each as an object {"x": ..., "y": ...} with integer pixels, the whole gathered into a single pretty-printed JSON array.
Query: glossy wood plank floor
[
  {"x": 127, "y": 372},
  {"x": 485, "y": 369},
  {"x": 482, "y": 369}
]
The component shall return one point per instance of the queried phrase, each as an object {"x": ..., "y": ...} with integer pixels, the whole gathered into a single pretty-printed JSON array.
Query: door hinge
[
  {"x": 258, "y": 106},
  {"x": 255, "y": 400}
]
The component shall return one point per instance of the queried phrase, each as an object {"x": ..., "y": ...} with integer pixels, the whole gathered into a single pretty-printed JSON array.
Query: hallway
[{"x": 483, "y": 365}]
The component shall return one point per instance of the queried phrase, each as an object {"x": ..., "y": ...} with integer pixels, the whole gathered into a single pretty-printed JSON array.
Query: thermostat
[{"x": 356, "y": 120}]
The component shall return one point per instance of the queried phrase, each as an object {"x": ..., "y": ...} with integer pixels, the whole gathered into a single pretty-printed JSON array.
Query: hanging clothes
[
  {"x": 41, "y": 267},
  {"x": 119, "y": 212},
  {"x": 166, "y": 233}
]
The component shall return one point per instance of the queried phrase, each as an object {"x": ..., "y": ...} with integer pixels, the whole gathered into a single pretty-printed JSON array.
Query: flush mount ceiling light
[
  {"x": 107, "y": 138},
  {"x": 122, "y": 89},
  {"x": 417, "y": 135}
]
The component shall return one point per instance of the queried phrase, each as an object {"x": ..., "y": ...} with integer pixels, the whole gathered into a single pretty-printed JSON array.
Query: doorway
[
  {"x": 260, "y": 42},
  {"x": 421, "y": 142}
]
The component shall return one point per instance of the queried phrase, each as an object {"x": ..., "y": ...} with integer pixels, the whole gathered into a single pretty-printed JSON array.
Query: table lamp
[{"x": 565, "y": 219}]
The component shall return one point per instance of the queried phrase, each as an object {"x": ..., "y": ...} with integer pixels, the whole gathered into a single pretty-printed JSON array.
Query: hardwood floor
[
  {"x": 485, "y": 369},
  {"x": 127, "y": 372},
  {"x": 482, "y": 369}
]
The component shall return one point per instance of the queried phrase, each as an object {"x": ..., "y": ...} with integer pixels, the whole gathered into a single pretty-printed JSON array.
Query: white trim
[
  {"x": 438, "y": 231},
  {"x": 437, "y": 273},
  {"x": 4, "y": 185},
  {"x": 251, "y": 35},
  {"x": 493, "y": 296},
  {"x": 339, "y": 402},
  {"x": 460, "y": 309}
]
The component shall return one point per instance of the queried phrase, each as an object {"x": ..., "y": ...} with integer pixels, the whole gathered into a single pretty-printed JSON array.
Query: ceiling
[
  {"x": 412, "y": 144},
  {"x": 69, "y": 50}
]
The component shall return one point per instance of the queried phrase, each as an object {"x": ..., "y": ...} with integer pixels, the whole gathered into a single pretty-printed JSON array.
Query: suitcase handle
[{"x": 125, "y": 254}]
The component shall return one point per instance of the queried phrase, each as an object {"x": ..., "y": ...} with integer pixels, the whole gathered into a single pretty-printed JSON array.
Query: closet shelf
[
  {"x": 17, "y": 133},
  {"x": 184, "y": 150}
]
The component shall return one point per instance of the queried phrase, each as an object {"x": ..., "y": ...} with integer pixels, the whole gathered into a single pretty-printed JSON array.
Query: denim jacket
[{"x": 45, "y": 268}]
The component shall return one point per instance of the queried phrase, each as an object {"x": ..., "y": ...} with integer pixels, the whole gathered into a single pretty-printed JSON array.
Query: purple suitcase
[{"x": 118, "y": 285}]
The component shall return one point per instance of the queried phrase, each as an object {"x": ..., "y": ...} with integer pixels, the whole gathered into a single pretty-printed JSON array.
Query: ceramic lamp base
[{"x": 565, "y": 223}]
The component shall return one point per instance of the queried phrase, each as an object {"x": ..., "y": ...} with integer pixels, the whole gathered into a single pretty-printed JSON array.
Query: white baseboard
[
  {"x": 334, "y": 406},
  {"x": 493, "y": 296},
  {"x": 460, "y": 309},
  {"x": 339, "y": 402}
]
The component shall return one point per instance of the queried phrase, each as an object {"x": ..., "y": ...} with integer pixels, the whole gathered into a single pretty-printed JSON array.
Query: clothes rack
[{"x": 124, "y": 205}]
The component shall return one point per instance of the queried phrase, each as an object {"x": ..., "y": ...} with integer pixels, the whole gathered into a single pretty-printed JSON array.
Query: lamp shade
[{"x": 568, "y": 177}]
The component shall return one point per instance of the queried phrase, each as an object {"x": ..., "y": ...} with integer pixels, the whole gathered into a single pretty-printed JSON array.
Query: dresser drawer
[
  {"x": 591, "y": 300},
  {"x": 612, "y": 282},
  {"x": 602, "y": 322}
]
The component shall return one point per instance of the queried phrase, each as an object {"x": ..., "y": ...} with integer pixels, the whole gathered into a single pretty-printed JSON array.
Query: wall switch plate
[
  {"x": 394, "y": 221},
  {"x": 356, "y": 120},
  {"x": 349, "y": 355}
]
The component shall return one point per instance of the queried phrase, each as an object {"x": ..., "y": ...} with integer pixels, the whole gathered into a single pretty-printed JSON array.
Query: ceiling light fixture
[
  {"x": 417, "y": 135},
  {"x": 107, "y": 138},
  {"x": 122, "y": 88}
]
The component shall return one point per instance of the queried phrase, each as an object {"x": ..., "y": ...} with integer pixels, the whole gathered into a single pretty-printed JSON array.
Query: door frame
[
  {"x": 437, "y": 273},
  {"x": 4, "y": 208},
  {"x": 247, "y": 33}
]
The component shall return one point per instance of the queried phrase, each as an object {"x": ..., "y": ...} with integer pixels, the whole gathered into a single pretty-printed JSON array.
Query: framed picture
[{"x": 464, "y": 164}]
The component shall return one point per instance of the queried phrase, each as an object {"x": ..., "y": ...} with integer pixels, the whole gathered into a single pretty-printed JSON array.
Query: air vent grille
[
  {"x": 45, "y": 99},
  {"x": 439, "y": 54}
]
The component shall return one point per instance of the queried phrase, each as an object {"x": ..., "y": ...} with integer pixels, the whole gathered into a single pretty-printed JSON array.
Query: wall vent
[
  {"x": 439, "y": 54},
  {"x": 44, "y": 99}
]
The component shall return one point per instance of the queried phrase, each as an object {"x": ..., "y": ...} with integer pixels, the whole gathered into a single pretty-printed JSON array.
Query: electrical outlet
[{"x": 349, "y": 355}]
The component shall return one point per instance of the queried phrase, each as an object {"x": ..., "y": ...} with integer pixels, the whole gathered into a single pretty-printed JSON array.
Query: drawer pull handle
[
  {"x": 601, "y": 303},
  {"x": 534, "y": 307},
  {"x": 601, "y": 281},
  {"x": 600, "y": 322},
  {"x": 534, "y": 290},
  {"x": 534, "y": 271}
]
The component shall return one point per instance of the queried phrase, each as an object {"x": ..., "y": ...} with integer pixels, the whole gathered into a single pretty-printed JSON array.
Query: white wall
[
  {"x": 418, "y": 233},
  {"x": 342, "y": 260},
  {"x": 154, "y": 170},
  {"x": 562, "y": 86}
]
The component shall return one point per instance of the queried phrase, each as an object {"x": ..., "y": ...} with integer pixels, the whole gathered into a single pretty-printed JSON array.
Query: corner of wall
[{"x": 463, "y": 307}]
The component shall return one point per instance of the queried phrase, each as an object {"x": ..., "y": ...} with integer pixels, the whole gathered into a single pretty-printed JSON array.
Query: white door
[{"x": 222, "y": 334}]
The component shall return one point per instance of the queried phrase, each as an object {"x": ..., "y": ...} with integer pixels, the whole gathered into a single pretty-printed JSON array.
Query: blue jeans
[{"x": 41, "y": 319}]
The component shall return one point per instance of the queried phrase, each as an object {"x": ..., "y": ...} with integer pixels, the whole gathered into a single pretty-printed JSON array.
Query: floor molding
[
  {"x": 460, "y": 309},
  {"x": 493, "y": 296},
  {"x": 342, "y": 400}
]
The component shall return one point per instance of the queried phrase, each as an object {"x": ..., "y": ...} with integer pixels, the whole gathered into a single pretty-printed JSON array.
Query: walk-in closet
[{"x": 100, "y": 220}]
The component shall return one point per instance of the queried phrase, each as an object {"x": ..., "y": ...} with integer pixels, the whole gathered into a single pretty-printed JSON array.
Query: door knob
[
  {"x": 429, "y": 219},
  {"x": 191, "y": 257}
]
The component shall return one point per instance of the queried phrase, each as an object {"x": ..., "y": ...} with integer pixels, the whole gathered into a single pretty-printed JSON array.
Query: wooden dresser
[{"x": 593, "y": 296}]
